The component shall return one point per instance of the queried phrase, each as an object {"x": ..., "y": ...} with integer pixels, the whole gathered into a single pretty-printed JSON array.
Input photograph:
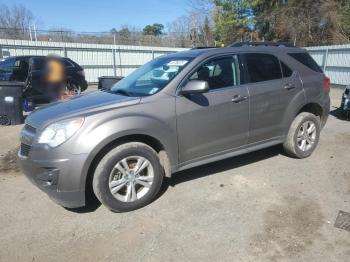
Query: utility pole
[
  {"x": 35, "y": 35},
  {"x": 30, "y": 34}
]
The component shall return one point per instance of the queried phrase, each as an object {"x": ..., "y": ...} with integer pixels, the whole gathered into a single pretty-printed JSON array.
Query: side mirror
[{"x": 195, "y": 87}]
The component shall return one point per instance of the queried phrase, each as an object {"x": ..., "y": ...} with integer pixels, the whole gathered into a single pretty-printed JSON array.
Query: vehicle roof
[
  {"x": 30, "y": 56},
  {"x": 250, "y": 49}
]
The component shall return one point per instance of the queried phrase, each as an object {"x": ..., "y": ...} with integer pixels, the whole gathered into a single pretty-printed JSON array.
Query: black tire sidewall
[
  {"x": 316, "y": 121},
  {"x": 103, "y": 174},
  {"x": 73, "y": 83}
]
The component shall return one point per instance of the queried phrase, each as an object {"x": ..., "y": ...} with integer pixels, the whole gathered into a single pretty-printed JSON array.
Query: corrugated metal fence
[
  {"x": 335, "y": 62},
  {"x": 97, "y": 60},
  {"x": 108, "y": 60}
]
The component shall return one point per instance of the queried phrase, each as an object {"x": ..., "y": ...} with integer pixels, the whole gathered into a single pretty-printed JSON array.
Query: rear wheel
[
  {"x": 303, "y": 135},
  {"x": 128, "y": 177},
  {"x": 74, "y": 88}
]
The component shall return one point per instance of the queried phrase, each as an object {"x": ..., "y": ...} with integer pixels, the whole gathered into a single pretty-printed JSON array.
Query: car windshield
[
  {"x": 151, "y": 77},
  {"x": 7, "y": 65}
]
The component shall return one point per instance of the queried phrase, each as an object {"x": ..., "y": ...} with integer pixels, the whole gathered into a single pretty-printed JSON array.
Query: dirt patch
[
  {"x": 9, "y": 162},
  {"x": 290, "y": 228}
]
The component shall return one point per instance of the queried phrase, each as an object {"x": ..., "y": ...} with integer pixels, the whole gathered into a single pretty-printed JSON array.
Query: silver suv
[{"x": 175, "y": 112}]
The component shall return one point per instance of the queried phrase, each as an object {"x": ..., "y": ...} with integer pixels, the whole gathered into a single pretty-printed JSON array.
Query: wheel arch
[
  {"x": 151, "y": 141},
  {"x": 316, "y": 109}
]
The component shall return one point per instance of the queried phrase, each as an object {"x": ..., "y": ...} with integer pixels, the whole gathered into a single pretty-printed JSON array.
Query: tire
[
  {"x": 294, "y": 144},
  {"x": 111, "y": 169}
]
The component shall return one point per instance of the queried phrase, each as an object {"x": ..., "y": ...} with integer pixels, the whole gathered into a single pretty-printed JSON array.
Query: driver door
[{"x": 215, "y": 122}]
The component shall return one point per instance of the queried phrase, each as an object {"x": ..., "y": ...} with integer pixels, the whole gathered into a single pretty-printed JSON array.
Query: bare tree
[
  {"x": 204, "y": 7},
  {"x": 15, "y": 21},
  {"x": 180, "y": 30}
]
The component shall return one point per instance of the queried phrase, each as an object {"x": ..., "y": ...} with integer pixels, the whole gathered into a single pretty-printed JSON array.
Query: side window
[
  {"x": 306, "y": 60},
  {"x": 38, "y": 63},
  {"x": 287, "y": 72},
  {"x": 219, "y": 72},
  {"x": 262, "y": 67},
  {"x": 17, "y": 64}
]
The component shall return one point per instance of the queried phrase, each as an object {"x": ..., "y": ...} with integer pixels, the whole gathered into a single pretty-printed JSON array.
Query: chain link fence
[{"x": 125, "y": 37}]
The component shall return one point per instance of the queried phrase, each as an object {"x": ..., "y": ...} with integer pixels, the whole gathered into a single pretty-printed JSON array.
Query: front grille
[{"x": 25, "y": 149}]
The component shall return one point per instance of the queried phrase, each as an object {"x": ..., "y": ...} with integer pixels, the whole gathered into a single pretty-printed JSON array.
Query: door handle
[
  {"x": 289, "y": 86},
  {"x": 238, "y": 99}
]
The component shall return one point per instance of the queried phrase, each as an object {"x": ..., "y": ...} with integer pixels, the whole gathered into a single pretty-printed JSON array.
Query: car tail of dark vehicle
[{"x": 11, "y": 103}]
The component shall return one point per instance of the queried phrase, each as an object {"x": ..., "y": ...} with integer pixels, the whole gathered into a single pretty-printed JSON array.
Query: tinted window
[
  {"x": 219, "y": 73},
  {"x": 306, "y": 60},
  {"x": 38, "y": 63},
  {"x": 287, "y": 72},
  {"x": 262, "y": 67}
]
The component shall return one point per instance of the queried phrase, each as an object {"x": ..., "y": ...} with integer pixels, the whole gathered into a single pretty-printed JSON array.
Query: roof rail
[
  {"x": 203, "y": 47},
  {"x": 276, "y": 44}
]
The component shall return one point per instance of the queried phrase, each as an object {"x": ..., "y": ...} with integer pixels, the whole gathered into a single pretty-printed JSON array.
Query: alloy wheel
[
  {"x": 131, "y": 178},
  {"x": 306, "y": 136}
]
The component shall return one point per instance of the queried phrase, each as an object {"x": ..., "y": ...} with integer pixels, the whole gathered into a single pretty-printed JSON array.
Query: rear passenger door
[{"x": 272, "y": 85}]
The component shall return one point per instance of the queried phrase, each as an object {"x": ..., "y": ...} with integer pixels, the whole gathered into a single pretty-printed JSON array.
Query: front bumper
[{"x": 59, "y": 178}]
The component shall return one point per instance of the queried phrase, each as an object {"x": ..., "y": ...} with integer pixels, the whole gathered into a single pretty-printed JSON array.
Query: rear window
[
  {"x": 306, "y": 60},
  {"x": 262, "y": 67}
]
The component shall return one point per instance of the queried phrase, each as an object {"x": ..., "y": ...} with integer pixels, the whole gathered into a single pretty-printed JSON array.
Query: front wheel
[
  {"x": 128, "y": 177},
  {"x": 303, "y": 135}
]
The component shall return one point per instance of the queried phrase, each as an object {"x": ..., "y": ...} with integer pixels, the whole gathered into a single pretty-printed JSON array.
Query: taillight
[{"x": 327, "y": 84}]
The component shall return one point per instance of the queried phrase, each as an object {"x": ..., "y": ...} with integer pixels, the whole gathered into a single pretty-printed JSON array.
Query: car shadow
[
  {"x": 92, "y": 203},
  {"x": 219, "y": 166},
  {"x": 337, "y": 113}
]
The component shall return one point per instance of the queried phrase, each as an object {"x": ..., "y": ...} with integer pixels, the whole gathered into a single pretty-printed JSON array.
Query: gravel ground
[{"x": 262, "y": 206}]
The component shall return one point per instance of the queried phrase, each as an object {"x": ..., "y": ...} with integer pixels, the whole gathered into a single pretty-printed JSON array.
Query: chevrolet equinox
[{"x": 176, "y": 112}]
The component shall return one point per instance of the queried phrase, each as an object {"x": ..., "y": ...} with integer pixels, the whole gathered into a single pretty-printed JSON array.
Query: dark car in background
[
  {"x": 30, "y": 69},
  {"x": 345, "y": 102}
]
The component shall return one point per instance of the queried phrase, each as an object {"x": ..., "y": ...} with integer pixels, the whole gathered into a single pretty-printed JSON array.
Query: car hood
[{"x": 92, "y": 102}]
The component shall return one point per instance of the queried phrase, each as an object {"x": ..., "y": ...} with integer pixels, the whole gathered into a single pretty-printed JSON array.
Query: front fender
[{"x": 99, "y": 135}]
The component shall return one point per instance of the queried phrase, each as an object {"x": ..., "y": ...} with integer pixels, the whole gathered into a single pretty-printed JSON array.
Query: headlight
[{"x": 57, "y": 133}]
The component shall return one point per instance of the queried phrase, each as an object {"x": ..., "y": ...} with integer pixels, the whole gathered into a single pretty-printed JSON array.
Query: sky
[{"x": 102, "y": 15}]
